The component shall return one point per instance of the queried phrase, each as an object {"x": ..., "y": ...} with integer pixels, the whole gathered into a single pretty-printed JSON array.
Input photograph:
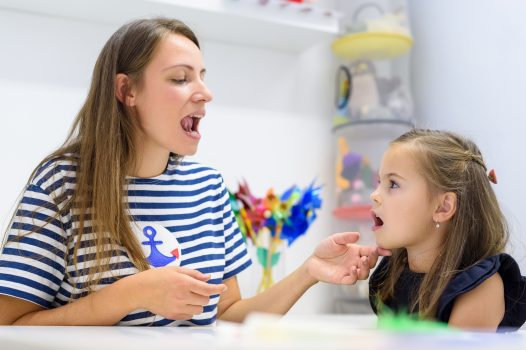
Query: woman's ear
[
  {"x": 123, "y": 90},
  {"x": 447, "y": 206}
]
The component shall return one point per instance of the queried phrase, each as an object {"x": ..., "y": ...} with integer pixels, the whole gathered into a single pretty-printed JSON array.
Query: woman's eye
[{"x": 179, "y": 81}]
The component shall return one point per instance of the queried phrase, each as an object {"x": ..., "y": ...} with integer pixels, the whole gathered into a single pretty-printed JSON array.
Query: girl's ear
[
  {"x": 123, "y": 90},
  {"x": 447, "y": 206}
]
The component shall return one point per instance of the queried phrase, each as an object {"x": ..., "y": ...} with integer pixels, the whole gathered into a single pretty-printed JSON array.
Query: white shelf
[
  {"x": 242, "y": 22},
  {"x": 373, "y": 122}
]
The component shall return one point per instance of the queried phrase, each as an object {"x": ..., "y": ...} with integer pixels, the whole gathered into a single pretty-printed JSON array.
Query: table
[{"x": 258, "y": 332}]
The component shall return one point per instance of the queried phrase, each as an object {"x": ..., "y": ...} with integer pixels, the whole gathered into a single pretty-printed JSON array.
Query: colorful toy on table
[{"x": 273, "y": 221}]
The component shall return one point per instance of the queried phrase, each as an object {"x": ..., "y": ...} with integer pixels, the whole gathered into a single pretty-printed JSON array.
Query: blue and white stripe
[{"x": 188, "y": 199}]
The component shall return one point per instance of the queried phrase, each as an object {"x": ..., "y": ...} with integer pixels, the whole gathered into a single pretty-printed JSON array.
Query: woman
[{"x": 116, "y": 199}]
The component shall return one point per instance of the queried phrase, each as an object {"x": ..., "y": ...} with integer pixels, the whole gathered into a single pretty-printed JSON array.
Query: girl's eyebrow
[
  {"x": 187, "y": 66},
  {"x": 392, "y": 174}
]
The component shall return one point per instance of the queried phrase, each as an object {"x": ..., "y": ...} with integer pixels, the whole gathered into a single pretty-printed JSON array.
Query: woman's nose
[{"x": 203, "y": 94}]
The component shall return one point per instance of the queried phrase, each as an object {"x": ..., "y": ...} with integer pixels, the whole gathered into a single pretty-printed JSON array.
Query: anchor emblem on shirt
[{"x": 156, "y": 258}]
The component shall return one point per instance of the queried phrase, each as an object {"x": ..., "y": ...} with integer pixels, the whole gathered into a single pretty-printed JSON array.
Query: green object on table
[{"x": 404, "y": 322}]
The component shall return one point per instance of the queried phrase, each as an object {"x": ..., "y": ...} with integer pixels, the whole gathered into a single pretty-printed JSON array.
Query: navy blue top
[{"x": 408, "y": 284}]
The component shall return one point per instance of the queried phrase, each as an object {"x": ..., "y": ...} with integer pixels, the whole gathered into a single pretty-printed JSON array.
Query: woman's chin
[{"x": 185, "y": 152}]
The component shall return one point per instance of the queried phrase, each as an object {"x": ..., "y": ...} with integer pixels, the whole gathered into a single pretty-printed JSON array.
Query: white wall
[
  {"x": 270, "y": 121},
  {"x": 45, "y": 68},
  {"x": 270, "y": 124},
  {"x": 469, "y": 76}
]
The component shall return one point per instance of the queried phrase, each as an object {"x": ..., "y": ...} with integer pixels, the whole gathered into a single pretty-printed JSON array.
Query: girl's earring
[{"x": 437, "y": 225}]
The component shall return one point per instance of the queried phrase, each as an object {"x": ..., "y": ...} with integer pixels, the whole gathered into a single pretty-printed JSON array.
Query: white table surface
[{"x": 259, "y": 332}]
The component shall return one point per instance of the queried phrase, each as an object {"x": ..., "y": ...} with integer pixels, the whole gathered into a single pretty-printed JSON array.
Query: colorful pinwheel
[{"x": 272, "y": 221}]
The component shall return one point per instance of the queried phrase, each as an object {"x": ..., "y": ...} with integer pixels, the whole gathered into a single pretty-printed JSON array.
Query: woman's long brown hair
[
  {"x": 101, "y": 145},
  {"x": 478, "y": 229}
]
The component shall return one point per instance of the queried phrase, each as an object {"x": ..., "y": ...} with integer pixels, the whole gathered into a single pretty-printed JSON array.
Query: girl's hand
[
  {"x": 337, "y": 260},
  {"x": 175, "y": 293}
]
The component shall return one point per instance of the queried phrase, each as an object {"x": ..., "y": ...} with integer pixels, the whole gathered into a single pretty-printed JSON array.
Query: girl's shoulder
[{"x": 472, "y": 277}]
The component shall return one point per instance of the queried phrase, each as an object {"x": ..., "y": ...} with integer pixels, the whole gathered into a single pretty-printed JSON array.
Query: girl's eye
[{"x": 393, "y": 184}]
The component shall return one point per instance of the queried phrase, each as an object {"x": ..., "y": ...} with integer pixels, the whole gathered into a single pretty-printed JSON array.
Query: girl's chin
[{"x": 387, "y": 245}]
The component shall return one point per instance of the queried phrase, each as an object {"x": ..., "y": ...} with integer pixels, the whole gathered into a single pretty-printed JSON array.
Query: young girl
[
  {"x": 114, "y": 228},
  {"x": 436, "y": 210}
]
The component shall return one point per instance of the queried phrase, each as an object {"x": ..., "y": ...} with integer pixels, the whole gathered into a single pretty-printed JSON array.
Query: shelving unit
[
  {"x": 373, "y": 45},
  {"x": 369, "y": 137},
  {"x": 240, "y": 22},
  {"x": 356, "y": 123}
]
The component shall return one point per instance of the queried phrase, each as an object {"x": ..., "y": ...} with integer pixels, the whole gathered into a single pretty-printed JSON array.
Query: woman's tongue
[
  {"x": 187, "y": 123},
  {"x": 189, "y": 126}
]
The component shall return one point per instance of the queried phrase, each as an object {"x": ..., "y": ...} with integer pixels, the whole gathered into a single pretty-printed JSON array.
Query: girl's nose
[{"x": 375, "y": 197}]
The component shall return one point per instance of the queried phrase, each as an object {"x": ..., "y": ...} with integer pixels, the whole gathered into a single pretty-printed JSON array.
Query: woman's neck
[
  {"x": 151, "y": 166},
  {"x": 150, "y": 160}
]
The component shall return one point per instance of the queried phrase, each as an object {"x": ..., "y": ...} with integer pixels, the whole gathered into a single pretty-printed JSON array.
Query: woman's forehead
[{"x": 176, "y": 49}]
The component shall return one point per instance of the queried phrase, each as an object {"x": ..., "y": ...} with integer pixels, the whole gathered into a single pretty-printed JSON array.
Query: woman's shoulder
[
  {"x": 191, "y": 166},
  {"x": 192, "y": 170},
  {"x": 54, "y": 170}
]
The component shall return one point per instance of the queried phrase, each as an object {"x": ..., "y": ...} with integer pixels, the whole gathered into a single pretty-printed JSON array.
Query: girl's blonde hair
[
  {"x": 101, "y": 144},
  {"x": 478, "y": 229}
]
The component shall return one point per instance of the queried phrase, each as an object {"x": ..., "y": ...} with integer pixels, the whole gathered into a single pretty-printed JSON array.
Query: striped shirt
[{"x": 181, "y": 218}]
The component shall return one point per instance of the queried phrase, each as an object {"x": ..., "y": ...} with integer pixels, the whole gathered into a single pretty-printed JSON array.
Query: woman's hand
[
  {"x": 337, "y": 260},
  {"x": 175, "y": 293}
]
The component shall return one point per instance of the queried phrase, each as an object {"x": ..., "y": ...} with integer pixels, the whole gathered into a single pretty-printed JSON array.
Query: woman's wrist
[
  {"x": 306, "y": 273},
  {"x": 130, "y": 291}
]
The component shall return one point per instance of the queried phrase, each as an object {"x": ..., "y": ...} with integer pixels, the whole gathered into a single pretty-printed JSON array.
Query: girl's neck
[
  {"x": 421, "y": 256},
  {"x": 420, "y": 259}
]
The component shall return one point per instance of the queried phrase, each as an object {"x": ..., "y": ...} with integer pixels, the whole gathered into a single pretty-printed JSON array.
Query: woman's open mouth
[
  {"x": 190, "y": 125},
  {"x": 378, "y": 222}
]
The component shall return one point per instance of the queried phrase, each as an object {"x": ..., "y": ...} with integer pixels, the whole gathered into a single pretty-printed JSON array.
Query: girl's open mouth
[{"x": 378, "y": 222}]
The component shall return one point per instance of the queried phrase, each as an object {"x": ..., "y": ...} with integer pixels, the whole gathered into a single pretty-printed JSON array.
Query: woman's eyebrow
[{"x": 187, "y": 66}]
